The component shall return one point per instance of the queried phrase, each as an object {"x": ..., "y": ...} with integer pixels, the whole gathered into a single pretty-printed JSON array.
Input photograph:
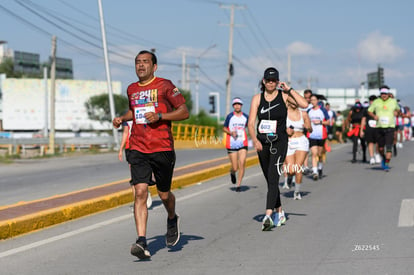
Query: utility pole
[
  {"x": 108, "y": 74},
  {"x": 187, "y": 78},
  {"x": 46, "y": 129},
  {"x": 183, "y": 67},
  {"x": 52, "y": 97},
  {"x": 230, "y": 70}
]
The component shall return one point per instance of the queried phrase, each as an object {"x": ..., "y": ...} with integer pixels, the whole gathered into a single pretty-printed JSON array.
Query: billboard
[{"x": 25, "y": 108}]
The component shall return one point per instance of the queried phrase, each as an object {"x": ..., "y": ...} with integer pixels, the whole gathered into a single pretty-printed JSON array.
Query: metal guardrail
[
  {"x": 19, "y": 145},
  {"x": 192, "y": 132}
]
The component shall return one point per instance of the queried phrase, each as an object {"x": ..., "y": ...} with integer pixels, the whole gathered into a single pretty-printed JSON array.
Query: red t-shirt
[{"x": 159, "y": 96}]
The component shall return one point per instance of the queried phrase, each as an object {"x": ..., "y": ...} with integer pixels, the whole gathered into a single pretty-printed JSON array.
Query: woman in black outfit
[
  {"x": 355, "y": 130},
  {"x": 271, "y": 138}
]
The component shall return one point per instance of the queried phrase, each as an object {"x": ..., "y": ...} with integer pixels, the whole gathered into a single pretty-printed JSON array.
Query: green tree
[{"x": 98, "y": 107}]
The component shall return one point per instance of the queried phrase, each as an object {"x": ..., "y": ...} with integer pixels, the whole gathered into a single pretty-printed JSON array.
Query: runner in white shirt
[{"x": 319, "y": 118}]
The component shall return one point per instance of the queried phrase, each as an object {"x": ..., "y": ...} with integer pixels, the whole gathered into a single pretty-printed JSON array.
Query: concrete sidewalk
[{"x": 29, "y": 216}]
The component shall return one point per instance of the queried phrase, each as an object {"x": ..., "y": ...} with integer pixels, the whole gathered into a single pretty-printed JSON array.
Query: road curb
[{"x": 46, "y": 218}]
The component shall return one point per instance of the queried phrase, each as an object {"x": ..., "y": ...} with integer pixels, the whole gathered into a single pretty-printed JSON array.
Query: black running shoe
[
  {"x": 173, "y": 231},
  {"x": 233, "y": 177},
  {"x": 140, "y": 250},
  {"x": 238, "y": 189},
  {"x": 320, "y": 173}
]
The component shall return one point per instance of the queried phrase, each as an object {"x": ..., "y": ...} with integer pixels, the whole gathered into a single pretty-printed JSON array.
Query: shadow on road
[{"x": 158, "y": 242}]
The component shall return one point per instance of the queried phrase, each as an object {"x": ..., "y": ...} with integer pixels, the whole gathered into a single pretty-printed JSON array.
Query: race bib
[
  {"x": 316, "y": 121},
  {"x": 384, "y": 120},
  {"x": 240, "y": 135},
  {"x": 372, "y": 123},
  {"x": 267, "y": 126},
  {"x": 140, "y": 114}
]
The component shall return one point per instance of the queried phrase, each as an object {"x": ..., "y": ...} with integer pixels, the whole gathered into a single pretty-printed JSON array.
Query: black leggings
[
  {"x": 271, "y": 165},
  {"x": 355, "y": 147}
]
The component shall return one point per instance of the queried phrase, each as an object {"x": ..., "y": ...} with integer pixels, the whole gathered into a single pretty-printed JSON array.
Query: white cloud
[
  {"x": 301, "y": 48},
  {"x": 379, "y": 48}
]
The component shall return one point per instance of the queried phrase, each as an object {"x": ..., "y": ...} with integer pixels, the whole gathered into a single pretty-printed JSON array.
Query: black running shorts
[
  {"x": 160, "y": 163},
  {"x": 229, "y": 151},
  {"x": 316, "y": 142},
  {"x": 370, "y": 135},
  {"x": 385, "y": 137}
]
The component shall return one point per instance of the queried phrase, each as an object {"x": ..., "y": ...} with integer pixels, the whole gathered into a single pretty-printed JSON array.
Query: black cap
[
  {"x": 358, "y": 105},
  {"x": 271, "y": 74}
]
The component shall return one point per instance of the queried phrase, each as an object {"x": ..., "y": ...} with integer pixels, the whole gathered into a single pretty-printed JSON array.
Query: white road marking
[
  {"x": 411, "y": 167},
  {"x": 101, "y": 224},
  {"x": 406, "y": 218}
]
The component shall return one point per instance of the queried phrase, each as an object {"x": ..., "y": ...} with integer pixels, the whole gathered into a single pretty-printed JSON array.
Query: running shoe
[
  {"x": 149, "y": 200},
  {"x": 140, "y": 250},
  {"x": 282, "y": 219},
  {"x": 233, "y": 177},
  {"x": 315, "y": 176},
  {"x": 285, "y": 186},
  {"x": 173, "y": 231},
  {"x": 320, "y": 173},
  {"x": 306, "y": 171},
  {"x": 372, "y": 161},
  {"x": 297, "y": 196},
  {"x": 267, "y": 223},
  {"x": 377, "y": 158},
  {"x": 238, "y": 189}
]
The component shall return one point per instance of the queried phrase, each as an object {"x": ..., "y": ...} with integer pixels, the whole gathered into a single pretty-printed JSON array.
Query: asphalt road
[
  {"x": 32, "y": 179},
  {"x": 350, "y": 222}
]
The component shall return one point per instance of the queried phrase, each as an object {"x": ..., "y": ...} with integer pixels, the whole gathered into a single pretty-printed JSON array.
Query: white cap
[{"x": 237, "y": 101}]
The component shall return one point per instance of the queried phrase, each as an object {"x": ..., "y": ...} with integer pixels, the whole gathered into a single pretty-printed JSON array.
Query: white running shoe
[
  {"x": 285, "y": 186},
  {"x": 297, "y": 196},
  {"x": 372, "y": 161},
  {"x": 282, "y": 219},
  {"x": 378, "y": 158}
]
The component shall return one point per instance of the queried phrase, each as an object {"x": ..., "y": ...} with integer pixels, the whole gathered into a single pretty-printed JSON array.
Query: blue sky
[{"x": 333, "y": 44}]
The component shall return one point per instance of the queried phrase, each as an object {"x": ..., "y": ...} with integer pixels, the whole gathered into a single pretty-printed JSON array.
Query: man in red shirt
[{"x": 153, "y": 103}]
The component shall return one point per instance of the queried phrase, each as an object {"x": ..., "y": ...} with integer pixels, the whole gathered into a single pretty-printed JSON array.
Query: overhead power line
[
  {"x": 264, "y": 35},
  {"x": 118, "y": 32}
]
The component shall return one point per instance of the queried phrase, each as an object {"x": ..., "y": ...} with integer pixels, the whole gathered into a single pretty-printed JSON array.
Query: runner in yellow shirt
[{"x": 383, "y": 111}]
